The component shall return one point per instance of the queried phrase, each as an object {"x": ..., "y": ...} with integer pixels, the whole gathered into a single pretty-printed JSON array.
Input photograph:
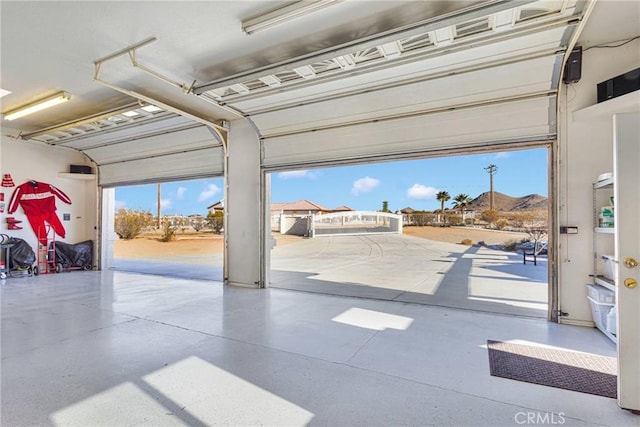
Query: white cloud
[
  {"x": 501, "y": 155},
  {"x": 180, "y": 192},
  {"x": 165, "y": 203},
  {"x": 120, "y": 204},
  {"x": 296, "y": 174},
  {"x": 364, "y": 185},
  {"x": 421, "y": 192},
  {"x": 209, "y": 193}
]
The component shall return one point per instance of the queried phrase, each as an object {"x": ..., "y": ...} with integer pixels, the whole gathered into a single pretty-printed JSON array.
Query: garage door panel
[
  {"x": 202, "y": 163},
  {"x": 500, "y": 123},
  {"x": 533, "y": 45},
  {"x": 488, "y": 84},
  {"x": 185, "y": 140}
]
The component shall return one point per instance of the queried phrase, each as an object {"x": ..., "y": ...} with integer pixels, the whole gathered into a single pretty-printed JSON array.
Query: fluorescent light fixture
[
  {"x": 306, "y": 71},
  {"x": 151, "y": 108},
  {"x": 4, "y": 92},
  {"x": 345, "y": 61},
  {"x": 37, "y": 106},
  {"x": 131, "y": 113},
  {"x": 284, "y": 14},
  {"x": 271, "y": 80},
  {"x": 390, "y": 50}
]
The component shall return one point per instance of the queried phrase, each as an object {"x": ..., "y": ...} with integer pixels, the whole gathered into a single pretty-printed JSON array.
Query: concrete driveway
[{"x": 411, "y": 269}]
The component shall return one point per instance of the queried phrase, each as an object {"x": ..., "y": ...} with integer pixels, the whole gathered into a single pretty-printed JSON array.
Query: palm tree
[
  {"x": 443, "y": 197},
  {"x": 461, "y": 201}
]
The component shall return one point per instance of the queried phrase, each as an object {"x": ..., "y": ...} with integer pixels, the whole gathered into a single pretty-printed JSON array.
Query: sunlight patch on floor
[
  {"x": 375, "y": 320},
  {"x": 189, "y": 391}
]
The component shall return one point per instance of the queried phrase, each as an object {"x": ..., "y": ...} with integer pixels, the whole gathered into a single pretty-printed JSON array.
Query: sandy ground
[{"x": 209, "y": 243}]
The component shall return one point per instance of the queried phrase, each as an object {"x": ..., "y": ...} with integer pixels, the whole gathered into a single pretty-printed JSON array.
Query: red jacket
[{"x": 36, "y": 198}]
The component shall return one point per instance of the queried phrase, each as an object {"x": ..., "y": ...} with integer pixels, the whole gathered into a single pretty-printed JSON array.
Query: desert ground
[{"x": 186, "y": 244}]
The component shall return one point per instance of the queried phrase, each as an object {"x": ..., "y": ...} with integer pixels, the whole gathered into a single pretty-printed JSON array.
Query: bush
[
  {"x": 215, "y": 221},
  {"x": 168, "y": 231},
  {"x": 467, "y": 242},
  {"x": 501, "y": 223},
  {"x": 129, "y": 223},
  {"x": 490, "y": 216},
  {"x": 511, "y": 245}
]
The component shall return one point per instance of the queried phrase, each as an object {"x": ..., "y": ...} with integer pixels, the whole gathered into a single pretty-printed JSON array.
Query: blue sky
[{"x": 410, "y": 183}]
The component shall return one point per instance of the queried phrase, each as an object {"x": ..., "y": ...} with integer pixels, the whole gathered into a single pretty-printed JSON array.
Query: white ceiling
[{"x": 50, "y": 46}]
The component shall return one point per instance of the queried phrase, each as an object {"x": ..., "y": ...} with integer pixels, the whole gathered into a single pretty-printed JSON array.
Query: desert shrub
[
  {"x": 467, "y": 242},
  {"x": 168, "y": 231},
  {"x": 454, "y": 219},
  {"x": 129, "y": 223},
  {"x": 215, "y": 221},
  {"x": 501, "y": 223},
  {"x": 490, "y": 216},
  {"x": 510, "y": 245}
]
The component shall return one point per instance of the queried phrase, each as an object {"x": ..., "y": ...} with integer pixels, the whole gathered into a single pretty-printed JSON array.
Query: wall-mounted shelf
[
  {"x": 627, "y": 103},
  {"x": 83, "y": 176},
  {"x": 605, "y": 230},
  {"x": 606, "y": 283}
]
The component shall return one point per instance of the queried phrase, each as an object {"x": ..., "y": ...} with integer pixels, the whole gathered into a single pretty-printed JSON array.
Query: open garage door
[{"x": 142, "y": 144}]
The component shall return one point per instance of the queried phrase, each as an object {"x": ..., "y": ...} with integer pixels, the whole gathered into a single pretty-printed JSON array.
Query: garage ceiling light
[
  {"x": 37, "y": 106},
  {"x": 284, "y": 14},
  {"x": 131, "y": 113}
]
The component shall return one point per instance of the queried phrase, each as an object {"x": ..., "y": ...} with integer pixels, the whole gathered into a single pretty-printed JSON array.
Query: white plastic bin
[
  {"x": 599, "y": 312},
  {"x": 610, "y": 267},
  {"x": 601, "y": 294},
  {"x": 612, "y": 320}
]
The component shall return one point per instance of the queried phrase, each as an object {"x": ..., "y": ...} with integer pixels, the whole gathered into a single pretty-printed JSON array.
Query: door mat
[{"x": 585, "y": 373}]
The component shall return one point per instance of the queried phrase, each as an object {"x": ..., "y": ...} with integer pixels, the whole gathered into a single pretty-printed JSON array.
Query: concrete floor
[
  {"x": 389, "y": 267},
  {"x": 120, "y": 349}
]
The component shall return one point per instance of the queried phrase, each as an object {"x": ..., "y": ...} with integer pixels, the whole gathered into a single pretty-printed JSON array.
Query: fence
[{"x": 355, "y": 223}]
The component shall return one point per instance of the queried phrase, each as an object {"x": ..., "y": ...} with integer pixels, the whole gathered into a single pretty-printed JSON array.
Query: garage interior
[{"x": 165, "y": 91}]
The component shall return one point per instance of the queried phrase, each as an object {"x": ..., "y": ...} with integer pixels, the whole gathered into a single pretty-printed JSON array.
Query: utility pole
[
  {"x": 491, "y": 170},
  {"x": 159, "y": 222}
]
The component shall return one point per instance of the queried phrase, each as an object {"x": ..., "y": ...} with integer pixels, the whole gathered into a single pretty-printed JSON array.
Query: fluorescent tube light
[
  {"x": 284, "y": 14},
  {"x": 37, "y": 106}
]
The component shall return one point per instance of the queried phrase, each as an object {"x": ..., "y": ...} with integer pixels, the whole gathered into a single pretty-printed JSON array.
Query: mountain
[{"x": 504, "y": 203}]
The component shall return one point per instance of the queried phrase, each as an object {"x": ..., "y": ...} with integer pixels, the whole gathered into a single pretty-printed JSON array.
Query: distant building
[
  {"x": 342, "y": 209},
  {"x": 216, "y": 207},
  {"x": 298, "y": 208}
]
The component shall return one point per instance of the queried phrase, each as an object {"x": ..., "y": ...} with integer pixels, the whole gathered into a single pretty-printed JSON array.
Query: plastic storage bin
[
  {"x": 599, "y": 312},
  {"x": 601, "y": 294},
  {"x": 610, "y": 267},
  {"x": 612, "y": 320}
]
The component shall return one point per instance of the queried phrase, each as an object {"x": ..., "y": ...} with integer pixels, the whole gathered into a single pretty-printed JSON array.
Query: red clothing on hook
[{"x": 38, "y": 202}]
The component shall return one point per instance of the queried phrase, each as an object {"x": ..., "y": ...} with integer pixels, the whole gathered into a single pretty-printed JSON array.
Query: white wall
[
  {"x": 26, "y": 161},
  {"x": 585, "y": 151}
]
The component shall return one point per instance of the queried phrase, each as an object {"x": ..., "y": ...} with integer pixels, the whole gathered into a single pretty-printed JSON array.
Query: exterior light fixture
[
  {"x": 284, "y": 14},
  {"x": 37, "y": 106}
]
